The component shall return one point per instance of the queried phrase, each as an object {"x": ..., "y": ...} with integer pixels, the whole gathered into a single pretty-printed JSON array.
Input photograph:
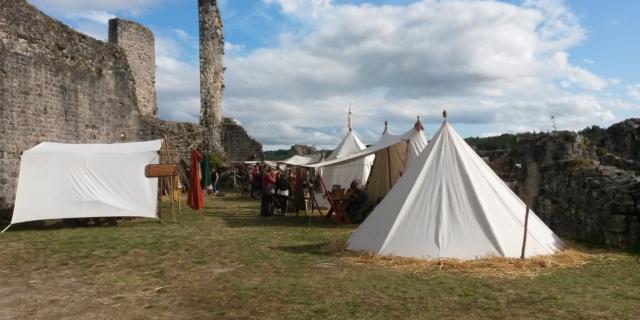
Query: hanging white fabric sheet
[
  {"x": 86, "y": 180},
  {"x": 450, "y": 204}
]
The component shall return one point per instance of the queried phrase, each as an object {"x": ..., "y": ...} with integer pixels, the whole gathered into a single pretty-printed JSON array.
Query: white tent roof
[
  {"x": 349, "y": 145},
  {"x": 86, "y": 180},
  {"x": 450, "y": 204},
  {"x": 297, "y": 160}
]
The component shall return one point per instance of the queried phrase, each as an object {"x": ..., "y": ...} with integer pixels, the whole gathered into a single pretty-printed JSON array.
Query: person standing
[
  {"x": 268, "y": 190},
  {"x": 215, "y": 177},
  {"x": 282, "y": 186},
  {"x": 256, "y": 181}
]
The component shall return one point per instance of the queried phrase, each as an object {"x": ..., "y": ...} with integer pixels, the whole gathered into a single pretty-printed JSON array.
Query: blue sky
[{"x": 294, "y": 66}]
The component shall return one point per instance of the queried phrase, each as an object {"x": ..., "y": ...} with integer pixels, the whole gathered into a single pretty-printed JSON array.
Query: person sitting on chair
[{"x": 357, "y": 208}]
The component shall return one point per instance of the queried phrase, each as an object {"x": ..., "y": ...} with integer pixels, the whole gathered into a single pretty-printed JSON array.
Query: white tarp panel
[
  {"x": 450, "y": 204},
  {"x": 86, "y": 180}
]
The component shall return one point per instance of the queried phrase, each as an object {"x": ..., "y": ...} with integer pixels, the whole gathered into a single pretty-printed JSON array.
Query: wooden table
[{"x": 340, "y": 205}]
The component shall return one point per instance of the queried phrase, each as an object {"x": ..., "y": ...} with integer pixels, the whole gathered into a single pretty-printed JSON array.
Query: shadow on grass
[
  {"x": 237, "y": 221},
  {"x": 595, "y": 248},
  {"x": 47, "y": 225},
  {"x": 321, "y": 249}
]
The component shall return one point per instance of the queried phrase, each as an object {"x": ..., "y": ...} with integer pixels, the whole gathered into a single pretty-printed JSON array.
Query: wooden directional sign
[{"x": 161, "y": 170}]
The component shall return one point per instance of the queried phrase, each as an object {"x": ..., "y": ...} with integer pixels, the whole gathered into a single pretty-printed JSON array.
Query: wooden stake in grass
[{"x": 524, "y": 238}]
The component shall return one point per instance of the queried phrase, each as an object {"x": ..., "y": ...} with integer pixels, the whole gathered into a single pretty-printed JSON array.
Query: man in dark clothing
[
  {"x": 282, "y": 188},
  {"x": 268, "y": 190},
  {"x": 358, "y": 207}
]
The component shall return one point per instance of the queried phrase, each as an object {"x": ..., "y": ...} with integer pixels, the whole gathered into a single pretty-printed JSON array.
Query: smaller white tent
[
  {"x": 450, "y": 204},
  {"x": 60, "y": 180},
  {"x": 343, "y": 174}
]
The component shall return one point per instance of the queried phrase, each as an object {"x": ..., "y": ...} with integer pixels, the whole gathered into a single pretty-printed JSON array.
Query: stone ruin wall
[
  {"x": 574, "y": 188},
  {"x": 139, "y": 47},
  {"x": 238, "y": 145},
  {"x": 211, "y": 72},
  {"x": 59, "y": 85}
]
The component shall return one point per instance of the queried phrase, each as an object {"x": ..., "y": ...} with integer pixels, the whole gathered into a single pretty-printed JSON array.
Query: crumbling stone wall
[
  {"x": 138, "y": 45},
  {"x": 182, "y": 135},
  {"x": 561, "y": 177},
  {"x": 623, "y": 140},
  {"x": 238, "y": 145},
  {"x": 57, "y": 85},
  {"x": 211, "y": 73}
]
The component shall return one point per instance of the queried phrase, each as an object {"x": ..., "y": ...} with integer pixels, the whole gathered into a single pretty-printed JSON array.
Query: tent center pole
[{"x": 524, "y": 238}]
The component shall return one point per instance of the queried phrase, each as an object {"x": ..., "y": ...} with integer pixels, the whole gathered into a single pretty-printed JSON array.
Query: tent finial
[
  {"x": 349, "y": 124},
  {"x": 386, "y": 126},
  {"x": 418, "y": 126},
  {"x": 444, "y": 114}
]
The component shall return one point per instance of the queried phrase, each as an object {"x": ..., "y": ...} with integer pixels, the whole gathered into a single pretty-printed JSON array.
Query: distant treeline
[
  {"x": 507, "y": 141},
  {"x": 502, "y": 142}
]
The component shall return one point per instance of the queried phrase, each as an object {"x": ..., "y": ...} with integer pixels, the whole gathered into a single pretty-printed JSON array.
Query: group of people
[{"x": 274, "y": 187}]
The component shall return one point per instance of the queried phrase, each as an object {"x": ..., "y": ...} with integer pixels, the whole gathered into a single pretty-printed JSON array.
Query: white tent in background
[
  {"x": 393, "y": 153},
  {"x": 60, "y": 180},
  {"x": 450, "y": 204},
  {"x": 345, "y": 173},
  {"x": 297, "y": 160}
]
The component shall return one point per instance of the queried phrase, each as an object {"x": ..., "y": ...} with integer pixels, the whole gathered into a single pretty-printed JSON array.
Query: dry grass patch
[{"x": 486, "y": 267}]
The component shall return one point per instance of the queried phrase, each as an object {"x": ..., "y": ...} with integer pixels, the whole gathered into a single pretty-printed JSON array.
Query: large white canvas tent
[
  {"x": 86, "y": 180},
  {"x": 450, "y": 204},
  {"x": 393, "y": 153}
]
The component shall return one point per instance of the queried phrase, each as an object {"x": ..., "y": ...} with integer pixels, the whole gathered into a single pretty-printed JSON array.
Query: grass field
[{"x": 226, "y": 262}]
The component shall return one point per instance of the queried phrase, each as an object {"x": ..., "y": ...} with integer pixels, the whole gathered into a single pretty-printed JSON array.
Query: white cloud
[
  {"x": 614, "y": 81},
  {"x": 96, "y": 16},
  {"x": 65, "y": 6},
  {"x": 502, "y": 66},
  {"x": 302, "y": 8},
  {"x": 177, "y": 78},
  {"x": 488, "y": 62},
  {"x": 634, "y": 91}
]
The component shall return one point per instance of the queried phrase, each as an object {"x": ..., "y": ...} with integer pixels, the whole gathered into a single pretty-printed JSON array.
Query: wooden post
[
  {"x": 524, "y": 238},
  {"x": 389, "y": 167}
]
